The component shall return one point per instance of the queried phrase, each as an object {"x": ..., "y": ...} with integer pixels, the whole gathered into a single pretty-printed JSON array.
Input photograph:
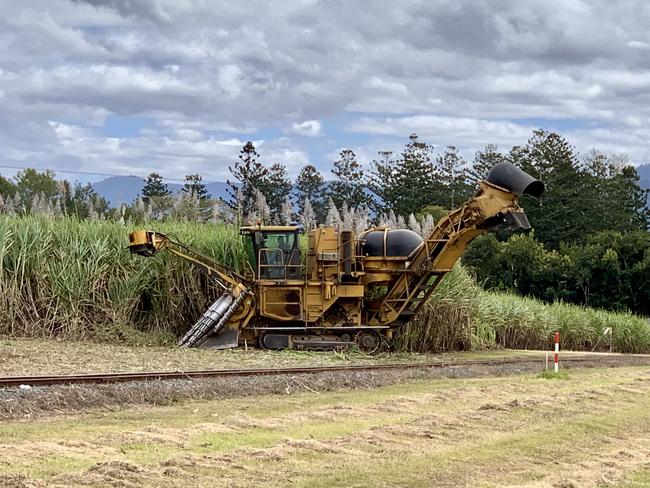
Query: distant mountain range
[{"x": 124, "y": 189}]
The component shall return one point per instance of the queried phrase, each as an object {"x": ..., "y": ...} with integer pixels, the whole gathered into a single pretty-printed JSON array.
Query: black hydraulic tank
[{"x": 390, "y": 243}]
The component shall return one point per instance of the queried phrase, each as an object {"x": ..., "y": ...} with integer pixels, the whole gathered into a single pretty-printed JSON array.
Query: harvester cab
[
  {"x": 275, "y": 251},
  {"x": 343, "y": 288}
]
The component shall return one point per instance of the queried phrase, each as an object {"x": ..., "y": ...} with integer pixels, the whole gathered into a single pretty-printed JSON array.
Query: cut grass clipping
[{"x": 75, "y": 279}]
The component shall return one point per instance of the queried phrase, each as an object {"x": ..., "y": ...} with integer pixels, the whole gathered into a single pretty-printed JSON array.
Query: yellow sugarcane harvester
[{"x": 348, "y": 288}]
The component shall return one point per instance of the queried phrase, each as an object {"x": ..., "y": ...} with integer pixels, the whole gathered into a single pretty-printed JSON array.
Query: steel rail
[{"x": 70, "y": 379}]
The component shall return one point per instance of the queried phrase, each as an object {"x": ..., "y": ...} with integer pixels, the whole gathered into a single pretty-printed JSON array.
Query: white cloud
[
  {"x": 311, "y": 128},
  {"x": 459, "y": 131},
  {"x": 638, "y": 44},
  {"x": 461, "y": 72}
]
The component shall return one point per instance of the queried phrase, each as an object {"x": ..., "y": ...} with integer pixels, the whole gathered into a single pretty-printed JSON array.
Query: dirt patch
[{"x": 19, "y": 482}]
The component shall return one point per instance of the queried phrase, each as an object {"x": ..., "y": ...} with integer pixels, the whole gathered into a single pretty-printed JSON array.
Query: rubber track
[{"x": 13, "y": 381}]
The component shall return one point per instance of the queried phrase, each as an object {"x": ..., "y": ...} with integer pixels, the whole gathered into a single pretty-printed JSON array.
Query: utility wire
[{"x": 82, "y": 172}]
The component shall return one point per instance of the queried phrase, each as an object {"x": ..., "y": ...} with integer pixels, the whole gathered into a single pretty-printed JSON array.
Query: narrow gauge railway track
[{"x": 90, "y": 378}]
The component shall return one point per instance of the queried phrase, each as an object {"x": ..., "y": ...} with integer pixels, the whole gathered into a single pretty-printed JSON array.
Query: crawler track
[{"x": 69, "y": 379}]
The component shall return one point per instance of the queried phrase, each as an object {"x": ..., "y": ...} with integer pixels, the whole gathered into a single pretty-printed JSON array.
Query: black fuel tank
[{"x": 391, "y": 243}]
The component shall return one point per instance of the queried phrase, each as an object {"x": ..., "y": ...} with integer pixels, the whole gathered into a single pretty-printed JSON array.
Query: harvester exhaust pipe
[{"x": 515, "y": 180}]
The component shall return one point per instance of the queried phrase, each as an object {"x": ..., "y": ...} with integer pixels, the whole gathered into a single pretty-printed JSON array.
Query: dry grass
[
  {"x": 19, "y": 357},
  {"x": 56, "y": 356},
  {"x": 476, "y": 432}
]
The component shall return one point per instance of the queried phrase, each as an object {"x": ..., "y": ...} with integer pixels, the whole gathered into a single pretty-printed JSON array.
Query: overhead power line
[{"x": 87, "y": 173}]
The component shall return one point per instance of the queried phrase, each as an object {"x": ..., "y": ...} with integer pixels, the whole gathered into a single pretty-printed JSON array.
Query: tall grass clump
[
  {"x": 526, "y": 323},
  {"x": 460, "y": 315},
  {"x": 445, "y": 322},
  {"x": 76, "y": 279}
]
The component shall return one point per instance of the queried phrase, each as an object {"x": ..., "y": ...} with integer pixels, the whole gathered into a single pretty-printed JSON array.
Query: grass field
[{"x": 588, "y": 430}]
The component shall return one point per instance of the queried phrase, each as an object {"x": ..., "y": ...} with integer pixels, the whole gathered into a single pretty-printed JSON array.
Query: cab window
[{"x": 278, "y": 255}]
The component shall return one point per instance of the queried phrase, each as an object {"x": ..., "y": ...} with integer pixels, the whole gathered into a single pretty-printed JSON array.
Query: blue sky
[{"x": 121, "y": 87}]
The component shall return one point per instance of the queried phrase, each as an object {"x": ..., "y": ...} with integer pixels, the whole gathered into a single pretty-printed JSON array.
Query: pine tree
[
  {"x": 409, "y": 182},
  {"x": 309, "y": 187},
  {"x": 484, "y": 161},
  {"x": 450, "y": 168},
  {"x": 156, "y": 195},
  {"x": 197, "y": 196},
  {"x": 154, "y": 187},
  {"x": 276, "y": 188},
  {"x": 250, "y": 175},
  {"x": 349, "y": 186},
  {"x": 382, "y": 181},
  {"x": 620, "y": 202},
  {"x": 561, "y": 212},
  {"x": 194, "y": 186}
]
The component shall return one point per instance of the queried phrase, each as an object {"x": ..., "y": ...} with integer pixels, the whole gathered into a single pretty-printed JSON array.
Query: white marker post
[{"x": 557, "y": 353}]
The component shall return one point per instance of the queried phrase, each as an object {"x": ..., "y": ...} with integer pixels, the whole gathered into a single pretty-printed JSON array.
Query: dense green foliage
[
  {"x": 610, "y": 270},
  {"x": 582, "y": 197},
  {"x": 590, "y": 247},
  {"x": 35, "y": 192}
]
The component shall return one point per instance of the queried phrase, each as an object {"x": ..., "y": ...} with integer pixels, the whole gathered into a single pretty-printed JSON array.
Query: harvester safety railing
[{"x": 266, "y": 271}]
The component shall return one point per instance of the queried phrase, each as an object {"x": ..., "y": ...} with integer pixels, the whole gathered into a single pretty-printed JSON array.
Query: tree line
[{"x": 584, "y": 194}]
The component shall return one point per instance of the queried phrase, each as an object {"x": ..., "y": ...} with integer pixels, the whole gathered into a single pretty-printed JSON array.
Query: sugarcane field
[{"x": 323, "y": 244}]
